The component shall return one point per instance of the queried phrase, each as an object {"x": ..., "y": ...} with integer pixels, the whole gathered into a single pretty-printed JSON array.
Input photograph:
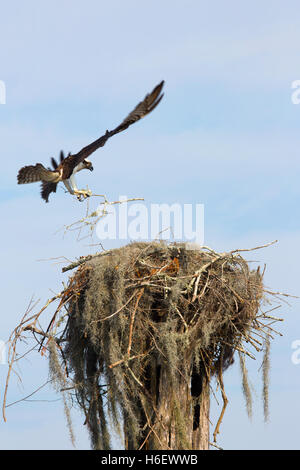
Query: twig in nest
[
  {"x": 82, "y": 260},
  {"x": 117, "y": 311},
  {"x": 151, "y": 427},
  {"x": 198, "y": 274},
  {"x": 215, "y": 445},
  {"x": 28, "y": 396},
  {"x": 13, "y": 339},
  {"x": 255, "y": 248},
  {"x": 225, "y": 402},
  {"x": 111, "y": 366},
  {"x": 132, "y": 320}
]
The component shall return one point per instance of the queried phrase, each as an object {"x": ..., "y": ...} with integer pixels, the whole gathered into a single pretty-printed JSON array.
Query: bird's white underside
[{"x": 71, "y": 186}]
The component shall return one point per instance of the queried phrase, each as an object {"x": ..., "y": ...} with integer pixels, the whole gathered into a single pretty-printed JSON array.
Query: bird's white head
[
  {"x": 84, "y": 165},
  {"x": 88, "y": 164}
]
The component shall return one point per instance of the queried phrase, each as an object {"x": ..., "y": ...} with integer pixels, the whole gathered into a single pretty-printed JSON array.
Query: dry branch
[{"x": 91, "y": 218}]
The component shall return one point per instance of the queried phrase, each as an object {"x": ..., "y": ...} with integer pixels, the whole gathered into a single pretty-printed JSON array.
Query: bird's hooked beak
[{"x": 87, "y": 164}]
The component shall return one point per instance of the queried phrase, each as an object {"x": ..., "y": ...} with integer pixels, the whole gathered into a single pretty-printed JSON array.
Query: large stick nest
[
  {"x": 147, "y": 304},
  {"x": 127, "y": 314}
]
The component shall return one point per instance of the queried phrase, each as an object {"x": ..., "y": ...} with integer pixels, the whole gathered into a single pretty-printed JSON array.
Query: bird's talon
[{"x": 83, "y": 194}]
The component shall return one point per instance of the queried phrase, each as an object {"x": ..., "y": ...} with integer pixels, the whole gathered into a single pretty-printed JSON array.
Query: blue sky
[{"x": 226, "y": 134}]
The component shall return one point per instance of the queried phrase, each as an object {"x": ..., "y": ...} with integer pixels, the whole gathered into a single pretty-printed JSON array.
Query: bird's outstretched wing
[
  {"x": 142, "y": 109},
  {"x": 33, "y": 173}
]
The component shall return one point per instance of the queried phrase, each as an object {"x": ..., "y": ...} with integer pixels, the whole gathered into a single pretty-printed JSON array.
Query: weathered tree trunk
[
  {"x": 200, "y": 392},
  {"x": 188, "y": 405}
]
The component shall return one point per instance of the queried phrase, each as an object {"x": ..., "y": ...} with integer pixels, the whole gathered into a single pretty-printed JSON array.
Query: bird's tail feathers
[{"x": 30, "y": 173}]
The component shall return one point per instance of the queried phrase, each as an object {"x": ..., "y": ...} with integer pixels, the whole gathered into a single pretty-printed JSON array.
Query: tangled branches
[{"x": 140, "y": 330}]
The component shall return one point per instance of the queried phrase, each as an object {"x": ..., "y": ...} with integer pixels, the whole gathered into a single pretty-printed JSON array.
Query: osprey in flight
[{"x": 68, "y": 166}]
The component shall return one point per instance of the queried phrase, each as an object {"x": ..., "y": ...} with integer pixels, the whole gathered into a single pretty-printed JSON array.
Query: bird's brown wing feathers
[
  {"x": 34, "y": 173},
  {"x": 46, "y": 189},
  {"x": 142, "y": 109}
]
